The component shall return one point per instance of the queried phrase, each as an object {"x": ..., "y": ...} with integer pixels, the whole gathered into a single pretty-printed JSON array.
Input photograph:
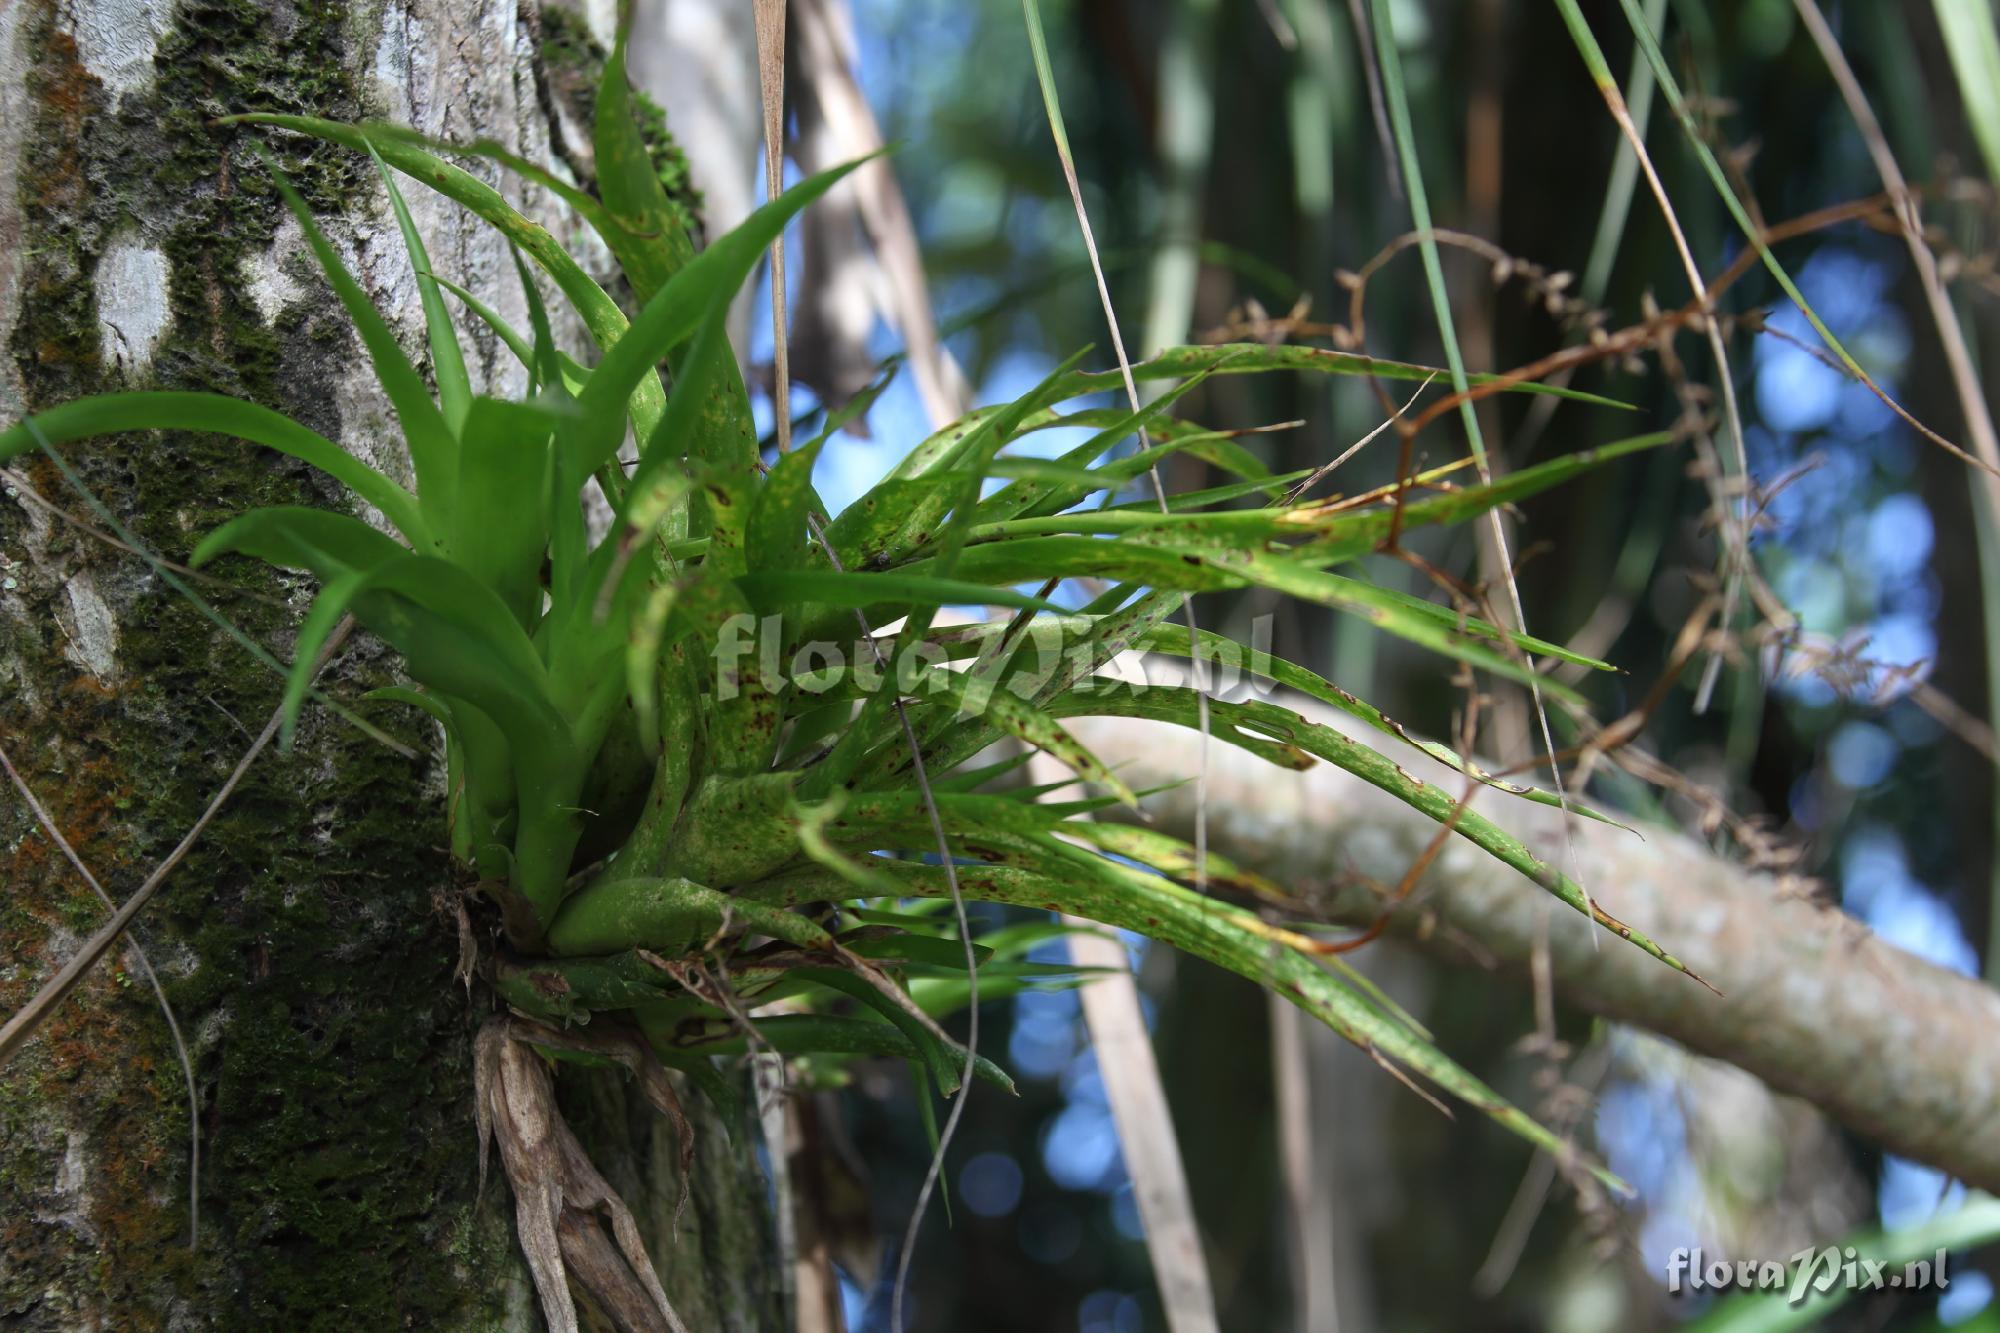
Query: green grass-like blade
[
  {"x": 339, "y": 549},
  {"x": 777, "y": 532},
  {"x": 1974, "y": 47},
  {"x": 1226, "y": 652},
  {"x": 935, "y": 1059},
  {"x": 1389, "y": 599},
  {"x": 1642, "y": 33},
  {"x": 573, "y": 373},
  {"x": 1025, "y": 723},
  {"x": 1390, "y": 61},
  {"x": 823, "y": 1034},
  {"x": 1440, "y": 629}
]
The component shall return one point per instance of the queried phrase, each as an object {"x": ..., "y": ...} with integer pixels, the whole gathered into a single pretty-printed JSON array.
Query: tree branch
[{"x": 1812, "y": 1002}]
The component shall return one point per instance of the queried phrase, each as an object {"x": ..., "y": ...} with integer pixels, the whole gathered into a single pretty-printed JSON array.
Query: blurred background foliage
[{"x": 1860, "y": 769}]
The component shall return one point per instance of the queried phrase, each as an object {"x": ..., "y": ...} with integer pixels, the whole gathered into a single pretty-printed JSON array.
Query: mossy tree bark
[{"x": 308, "y": 942}]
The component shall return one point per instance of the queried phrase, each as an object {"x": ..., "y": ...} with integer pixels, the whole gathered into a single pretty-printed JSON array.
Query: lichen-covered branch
[{"x": 1811, "y": 1001}]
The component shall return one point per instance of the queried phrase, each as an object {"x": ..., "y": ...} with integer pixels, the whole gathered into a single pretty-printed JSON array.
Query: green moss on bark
[
  {"x": 300, "y": 941},
  {"x": 573, "y": 64}
]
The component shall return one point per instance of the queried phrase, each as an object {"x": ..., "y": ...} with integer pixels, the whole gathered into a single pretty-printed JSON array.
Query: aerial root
[{"x": 561, "y": 1201}]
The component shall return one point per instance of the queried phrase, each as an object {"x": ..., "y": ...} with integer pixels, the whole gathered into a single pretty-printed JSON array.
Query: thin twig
[
  {"x": 224, "y": 623},
  {"x": 1357, "y": 14},
  {"x": 771, "y": 67},
  {"x": 1320, "y": 474},
  {"x": 55, "y": 835},
  {"x": 1965, "y": 379},
  {"x": 1736, "y": 544},
  {"x": 31, "y": 1016},
  {"x": 25, "y": 490},
  {"x": 770, "y": 15},
  {"x": 1511, "y": 1239},
  {"x": 1190, "y": 1302},
  {"x": 1392, "y": 78}
]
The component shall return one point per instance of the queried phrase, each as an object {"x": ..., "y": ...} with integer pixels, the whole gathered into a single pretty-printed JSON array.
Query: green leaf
[
  {"x": 335, "y": 596},
  {"x": 935, "y": 1059},
  {"x": 646, "y": 234},
  {"x": 1185, "y": 501},
  {"x": 403, "y": 694},
  {"x": 687, "y": 442},
  {"x": 1033, "y": 559},
  {"x": 670, "y": 916},
  {"x": 500, "y": 514},
  {"x": 771, "y": 592},
  {"x": 1447, "y": 618},
  {"x": 642, "y": 660},
  {"x": 777, "y": 537},
  {"x": 1974, "y": 47},
  {"x": 1226, "y": 655},
  {"x": 1437, "y": 628},
  {"x": 115, "y": 413},
  {"x": 1341, "y": 533},
  {"x": 323, "y": 541},
  {"x": 573, "y": 373},
  {"x": 1003, "y": 504},
  {"x": 821, "y": 1034},
  {"x": 1278, "y": 733},
  {"x": 1025, "y": 723},
  {"x": 447, "y": 361},
  {"x": 1257, "y": 358},
  {"x": 1171, "y": 856},
  {"x": 402, "y": 150},
  {"x": 869, "y": 529},
  {"x": 1209, "y": 930},
  {"x": 706, "y": 284},
  {"x": 433, "y": 451},
  {"x": 341, "y": 550},
  {"x": 909, "y": 945},
  {"x": 741, "y": 727},
  {"x": 810, "y": 822}
]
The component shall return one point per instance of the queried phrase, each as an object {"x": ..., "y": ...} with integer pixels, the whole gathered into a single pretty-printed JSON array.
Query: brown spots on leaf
[{"x": 550, "y": 985}]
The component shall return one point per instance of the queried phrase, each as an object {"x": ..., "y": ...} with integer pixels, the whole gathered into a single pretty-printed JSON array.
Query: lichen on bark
[
  {"x": 299, "y": 941},
  {"x": 306, "y": 943}
]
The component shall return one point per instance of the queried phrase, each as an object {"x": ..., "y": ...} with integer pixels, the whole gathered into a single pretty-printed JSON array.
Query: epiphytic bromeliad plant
[{"x": 684, "y": 821}]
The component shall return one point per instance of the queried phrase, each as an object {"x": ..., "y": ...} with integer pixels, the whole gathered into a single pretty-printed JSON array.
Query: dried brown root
[{"x": 561, "y": 1201}]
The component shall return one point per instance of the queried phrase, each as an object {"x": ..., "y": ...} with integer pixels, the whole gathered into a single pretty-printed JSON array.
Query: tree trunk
[{"x": 308, "y": 943}]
